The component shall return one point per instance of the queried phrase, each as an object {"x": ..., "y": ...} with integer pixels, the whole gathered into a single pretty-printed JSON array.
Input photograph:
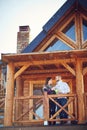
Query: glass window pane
[
  {"x": 70, "y": 31},
  {"x": 84, "y": 30},
  {"x": 58, "y": 45}
]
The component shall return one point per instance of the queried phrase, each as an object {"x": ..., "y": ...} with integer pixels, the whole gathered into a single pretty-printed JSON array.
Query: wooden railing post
[
  {"x": 85, "y": 101},
  {"x": 76, "y": 107},
  {"x": 31, "y": 100},
  {"x": 46, "y": 106}
]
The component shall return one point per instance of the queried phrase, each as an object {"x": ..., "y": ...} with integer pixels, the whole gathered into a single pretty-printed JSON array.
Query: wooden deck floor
[{"x": 58, "y": 127}]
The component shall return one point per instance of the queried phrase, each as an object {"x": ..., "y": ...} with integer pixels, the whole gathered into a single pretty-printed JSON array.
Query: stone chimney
[{"x": 22, "y": 38}]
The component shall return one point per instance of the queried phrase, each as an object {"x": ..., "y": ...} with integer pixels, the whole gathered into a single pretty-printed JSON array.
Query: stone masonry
[{"x": 22, "y": 38}]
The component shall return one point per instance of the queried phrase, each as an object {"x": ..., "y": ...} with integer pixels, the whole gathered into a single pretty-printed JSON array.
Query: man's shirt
[{"x": 62, "y": 87}]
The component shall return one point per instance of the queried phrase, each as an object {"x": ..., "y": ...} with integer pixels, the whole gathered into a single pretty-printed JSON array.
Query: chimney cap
[{"x": 24, "y": 28}]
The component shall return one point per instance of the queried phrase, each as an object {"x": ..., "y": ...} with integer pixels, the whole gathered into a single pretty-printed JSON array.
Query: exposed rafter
[
  {"x": 19, "y": 72},
  {"x": 61, "y": 36},
  {"x": 85, "y": 71},
  {"x": 69, "y": 68}
]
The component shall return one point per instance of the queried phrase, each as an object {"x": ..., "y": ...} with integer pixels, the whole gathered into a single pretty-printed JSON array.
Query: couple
[{"x": 60, "y": 88}]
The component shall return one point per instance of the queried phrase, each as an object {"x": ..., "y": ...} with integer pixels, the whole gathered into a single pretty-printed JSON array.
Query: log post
[
  {"x": 31, "y": 100},
  {"x": 46, "y": 106},
  {"x": 80, "y": 91},
  {"x": 19, "y": 92},
  {"x": 19, "y": 86},
  {"x": 8, "y": 115}
]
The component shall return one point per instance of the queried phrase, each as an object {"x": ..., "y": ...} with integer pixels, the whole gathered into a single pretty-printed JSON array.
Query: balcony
[{"x": 35, "y": 109}]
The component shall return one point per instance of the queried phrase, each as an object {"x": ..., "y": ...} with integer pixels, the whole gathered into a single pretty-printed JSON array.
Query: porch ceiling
[
  {"x": 40, "y": 56},
  {"x": 40, "y": 65}
]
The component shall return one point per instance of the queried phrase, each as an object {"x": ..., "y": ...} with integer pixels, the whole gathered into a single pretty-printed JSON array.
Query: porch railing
[
  {"x": 35, "y": 109},
  {"x": 85, "y": 95},
  {"x": 2, "y": 104}
]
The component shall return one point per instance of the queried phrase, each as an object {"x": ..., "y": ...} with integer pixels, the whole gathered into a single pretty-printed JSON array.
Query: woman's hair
[{"x": 47, "y": 80}]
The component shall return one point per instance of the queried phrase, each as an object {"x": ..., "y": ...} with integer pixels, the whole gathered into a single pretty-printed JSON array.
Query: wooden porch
[{"x": 26, "y": 74}]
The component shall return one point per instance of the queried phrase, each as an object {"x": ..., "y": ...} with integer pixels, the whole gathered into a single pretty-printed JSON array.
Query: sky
[{"x": 15, "y": 13}]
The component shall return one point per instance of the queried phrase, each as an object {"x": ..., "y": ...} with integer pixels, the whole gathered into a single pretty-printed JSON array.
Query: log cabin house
[{"x": 60, "y": 48}]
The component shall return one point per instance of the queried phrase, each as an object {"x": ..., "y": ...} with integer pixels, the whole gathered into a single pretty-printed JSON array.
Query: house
[{"x": 60, "y": 48}]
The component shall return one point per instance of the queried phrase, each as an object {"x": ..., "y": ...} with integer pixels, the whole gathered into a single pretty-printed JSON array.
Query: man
[{"x": 62, "y": 88}]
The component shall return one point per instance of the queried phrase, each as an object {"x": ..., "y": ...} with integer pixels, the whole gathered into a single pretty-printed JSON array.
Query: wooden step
[{"x": 59, "y": 127}]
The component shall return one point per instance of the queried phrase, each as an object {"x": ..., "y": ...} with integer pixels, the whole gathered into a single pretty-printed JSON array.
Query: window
[
  {"x": 84, "y": 30},
  {"x": 58, "y": 45},
  {"x": 69, "y": 30}
]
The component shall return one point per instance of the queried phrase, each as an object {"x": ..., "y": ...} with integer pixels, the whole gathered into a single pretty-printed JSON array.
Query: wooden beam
[
  {"x": 19, "y": 86},
  {"x": 78, "y": 27},
  {"x": 44, "y": 76},
  {"x": 55, "y": 61},
  {"x": 19, "y": 72},
  {"x": 44, "y": 56},
  {"x": 47, "y": 43},
  {"x": 30, "y": 101},
  {"x": 84, "y": 16},
  {"x": 68, "y": 68},
  {"x": 61, "y": 36},
  {"x": 19, "y": 92},
  {"x": 84, "y": 46},
  {"x": 46, "y": 71},
  {"x": 45, "y": 62},
  {"x": 67, "y": 21},
  {"x": 8, "y": 115},
  {"x": 46, "y": 106},
  {"x": 41, "y": 67},
  {"x": 84, "y": 70},
  {"x": 83, "y": 59},
  {"x": 80, "y": 91}
]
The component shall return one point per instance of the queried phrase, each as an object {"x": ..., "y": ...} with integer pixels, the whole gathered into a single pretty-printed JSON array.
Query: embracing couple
[{"x": 61, "y": 87}]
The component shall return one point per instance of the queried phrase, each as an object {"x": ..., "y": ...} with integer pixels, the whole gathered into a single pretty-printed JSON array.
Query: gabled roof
[{"x": 52, "y": 21}]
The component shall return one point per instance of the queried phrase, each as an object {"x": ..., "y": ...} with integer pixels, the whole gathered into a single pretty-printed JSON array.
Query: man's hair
[{"x": 59, "y": 76}]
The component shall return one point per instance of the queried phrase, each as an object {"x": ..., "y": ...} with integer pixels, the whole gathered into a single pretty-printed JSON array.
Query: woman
[{"x": 48, "y": 88}]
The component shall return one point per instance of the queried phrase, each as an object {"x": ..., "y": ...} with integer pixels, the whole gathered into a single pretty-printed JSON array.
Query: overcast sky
[{"x": 15, "y": 13}]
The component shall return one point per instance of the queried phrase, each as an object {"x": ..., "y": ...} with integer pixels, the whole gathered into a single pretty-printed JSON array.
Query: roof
[
  {"x": 44, "y": 56},
  {"x": 52, "y": 21},
  {"x": 35, "y": 42},
  {"x": 48, "y": 63}
]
